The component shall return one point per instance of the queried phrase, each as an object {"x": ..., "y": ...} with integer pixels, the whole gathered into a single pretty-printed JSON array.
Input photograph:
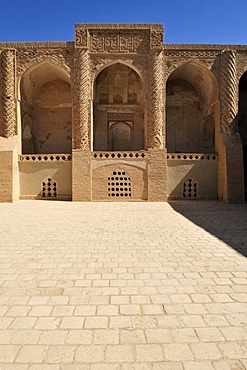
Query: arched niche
[
  {"x": 120, "y": 136},
  {"x": 118, "y": 109},
  {"x": 46, "y": 110},
  {"x": 242, "y": 123},
  {"x": 191, "y": 97}
]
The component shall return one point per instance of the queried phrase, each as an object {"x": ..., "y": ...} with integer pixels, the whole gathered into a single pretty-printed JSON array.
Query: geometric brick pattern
[
  {"x": 8, "y": 94},
  {"x": 122, "y": 286},
  {"x": 229, "y": 99},
  {"x": 156, "y": 104}
]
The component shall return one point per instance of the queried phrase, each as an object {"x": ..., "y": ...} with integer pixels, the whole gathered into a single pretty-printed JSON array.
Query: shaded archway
[
  {"x": 192, "y": 95},
  {"x": 46, "y": 110},
  {"x": 242, "y": 123},
  {"x": 118, "y": 109},
  {"x": 120, "y": 136}
]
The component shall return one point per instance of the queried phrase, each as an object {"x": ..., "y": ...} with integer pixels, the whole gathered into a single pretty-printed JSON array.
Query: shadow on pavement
[{"x": 227, "y": 222}]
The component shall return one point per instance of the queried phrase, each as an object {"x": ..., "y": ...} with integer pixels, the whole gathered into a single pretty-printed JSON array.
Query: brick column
[
  {"x": 157, "y": 163},
  {"x": 231, "y": 170},
  {"x": 8, "y": 102},
  {"x": 81, "y": 158},
  {"x": 9, "y": 172},
  {"x": 81, "y": 100},
  {"x": 156, "y": 100}
]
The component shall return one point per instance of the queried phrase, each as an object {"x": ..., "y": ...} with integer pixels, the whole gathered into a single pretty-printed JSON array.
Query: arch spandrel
[{"x": 30, "y": 59}]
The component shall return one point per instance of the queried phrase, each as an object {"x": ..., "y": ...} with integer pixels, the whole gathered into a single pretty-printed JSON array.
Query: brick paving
[{"x": 123, "y": 286}]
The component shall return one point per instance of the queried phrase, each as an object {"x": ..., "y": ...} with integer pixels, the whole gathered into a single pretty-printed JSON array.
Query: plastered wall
[
  {"x": 105, "y": 174},
  {"x": 32, "y": 174},
  {"x": 204, "y": 172}
]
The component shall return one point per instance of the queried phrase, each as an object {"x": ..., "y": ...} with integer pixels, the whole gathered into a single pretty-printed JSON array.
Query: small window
[
  {"x": 119, "y": 185},
  {"x": 190, "y": 189},
  {"x": 49, "y": 188}
]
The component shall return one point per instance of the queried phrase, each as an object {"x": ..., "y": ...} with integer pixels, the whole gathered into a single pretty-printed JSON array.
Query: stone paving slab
[{"x": 123, "y": 286}]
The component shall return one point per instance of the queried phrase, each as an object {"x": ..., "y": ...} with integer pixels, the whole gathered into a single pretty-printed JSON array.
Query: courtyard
[{"x": 123, "y": 286}]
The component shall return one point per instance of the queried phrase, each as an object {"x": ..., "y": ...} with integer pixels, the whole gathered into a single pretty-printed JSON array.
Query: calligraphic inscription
[{"x": 119, "y": 42}]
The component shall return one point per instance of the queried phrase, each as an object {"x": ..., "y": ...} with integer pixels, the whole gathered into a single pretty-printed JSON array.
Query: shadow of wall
[{"x": 227, "y": 222}]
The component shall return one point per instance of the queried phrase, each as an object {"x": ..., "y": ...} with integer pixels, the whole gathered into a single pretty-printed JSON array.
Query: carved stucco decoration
[
  {"x": 8, "y": 121},
  {"x": 229, "y": 107},
  {"x": 81, "y": 96},
  {"x": 241, "y": 64},
  {"x": 119, "y": 38},
  {"x": 120, "y": 116},
  {"x": 157, "y": 38},
  {"x": 138, "y": 63},
  {"x": 156, "y": 101},
  {"x": 175, "y": 59},
  {"x": 120, "y": 42},
  {"x": 81, "y": 38},
  {"x": 62, "y": 58}
]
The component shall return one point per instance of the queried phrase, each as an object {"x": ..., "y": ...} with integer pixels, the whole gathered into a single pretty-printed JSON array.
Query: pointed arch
[
  {"x": 117, "y": 61},
  {"x": 192, "y": 97},
  {"x": 118, "y": 98},
  {"x": 45, "y": 109}
]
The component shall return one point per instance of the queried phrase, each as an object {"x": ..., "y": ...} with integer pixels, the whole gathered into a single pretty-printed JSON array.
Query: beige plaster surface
[
  {"x": 32, "y": 175},
  {"x": 123, "y": 286},
  {"x": 204, "y": 172}
]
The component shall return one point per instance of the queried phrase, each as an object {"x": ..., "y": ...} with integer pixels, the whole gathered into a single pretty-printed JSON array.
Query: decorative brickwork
[
  {"x": 229, "y": 106},
  {"x": 156, "y": 103},
  {"x": 8, "y": 125},
  {"x": 119, "y": 42},
  {"x": 81, "y": 38},
  {"x": 81, "y": 100},
  {"x": 192, "y": 157},
  {"x": 118, "y": 95},
  {"x": 55, "y": 54},
  {"x": 119, "y": 155},
  {"x": 44, "y": 158},
  {"x": 119, "y": 38},
  {"x": 120, "y": 117}
]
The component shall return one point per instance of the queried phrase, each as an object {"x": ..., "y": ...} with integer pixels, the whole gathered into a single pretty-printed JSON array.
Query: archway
[
  {"x": 242, "y": 124},
  {"x": 118, "y": 109},
  {"x": 192, "y": 95},
  {"x": 46, "y": 110}
]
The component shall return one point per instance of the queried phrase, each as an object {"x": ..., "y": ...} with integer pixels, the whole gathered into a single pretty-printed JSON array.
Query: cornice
[{"x": 37, "y": 45}]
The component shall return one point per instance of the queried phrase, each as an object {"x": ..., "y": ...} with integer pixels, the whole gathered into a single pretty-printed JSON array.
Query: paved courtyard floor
[{"x": 123, "y": 286}]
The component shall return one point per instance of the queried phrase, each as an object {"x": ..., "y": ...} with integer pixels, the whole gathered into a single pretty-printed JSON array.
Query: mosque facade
[{"x": 118, "y": 115}]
